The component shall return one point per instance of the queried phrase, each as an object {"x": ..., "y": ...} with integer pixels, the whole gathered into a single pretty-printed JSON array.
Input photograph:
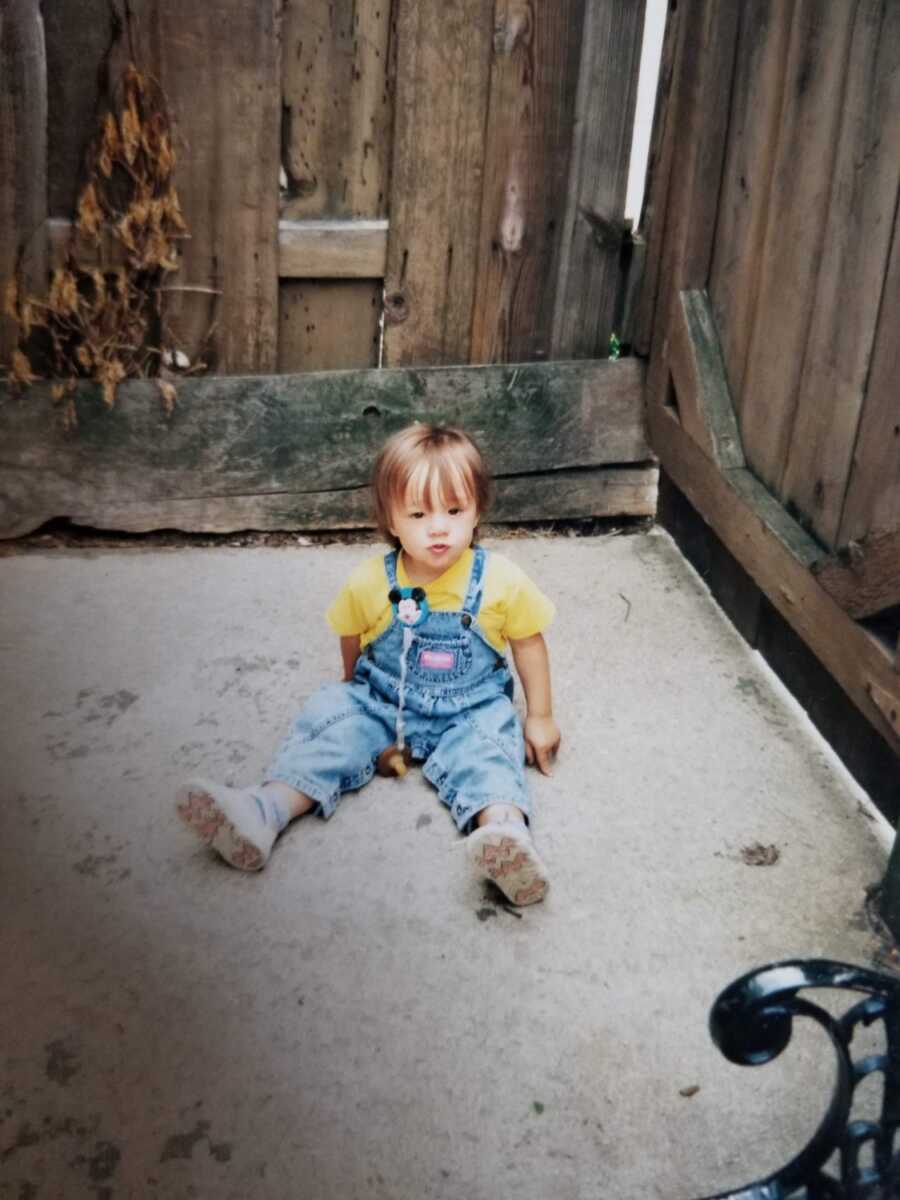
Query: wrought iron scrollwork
[{"x": 751, "y": 1022}]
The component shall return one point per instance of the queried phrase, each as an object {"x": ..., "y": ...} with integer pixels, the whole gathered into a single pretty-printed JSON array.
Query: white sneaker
[
  {"x": 232, "y": 821},
  {"x": 505, "y": 853}
]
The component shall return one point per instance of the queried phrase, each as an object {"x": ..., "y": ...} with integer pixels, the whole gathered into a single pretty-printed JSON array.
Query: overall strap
[
  {"x": 472, "y": 602},
  {"x": 390, "y": 569}
]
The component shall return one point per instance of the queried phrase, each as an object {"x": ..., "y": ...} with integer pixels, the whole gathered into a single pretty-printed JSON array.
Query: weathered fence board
[
  {"x": 308, "y": 434},
  {"x": 589, "y": 279},
  {"x": 873, "y": 497},
  {"x": 323, "y": 322},
  {"x": 338, "y": 108},
  {"x": 76, "y": 52},
  {"x": 703, "y": 89},
  {"x": 228, "y": 54},
  {"x": 23, "y": 155},
  {"x": 865, "y": 578},
  {"x": 534, "y": 72},
  {"x": 756, "y": 109},
  {"x": 793, "y": 245},
  {"x": 659, "y": 169},
  {"x": 864, "y": 190},
  {"x": 337, "y": 125},
  {"x": 443, "y": 68}
]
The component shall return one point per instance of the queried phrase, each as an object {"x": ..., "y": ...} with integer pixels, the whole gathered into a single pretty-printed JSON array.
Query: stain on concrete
[
  {"x": 62, "y": 752},
  {"x": 221, "y": 1151},
  {"x": 485, "y": 913},
  {"x": 121, "y": 700},
  {"x": 181, "y": 1145},
  {"x": 62, "y": 1061},
  {"x": 103, "y": 1163},
  {"x": 748, "y": 687},
  {"x": 27, "y": 1191},
  {"x": 93, "y": 864},
  {"x": 423, "y": 820},
  {"x": 26, "y": 1136}
]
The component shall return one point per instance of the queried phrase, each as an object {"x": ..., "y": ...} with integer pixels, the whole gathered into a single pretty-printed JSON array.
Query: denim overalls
[{"x": 458, "y": 714}]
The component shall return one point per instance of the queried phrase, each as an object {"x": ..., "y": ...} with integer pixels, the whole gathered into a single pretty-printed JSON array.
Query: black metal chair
[{"x": 751, "y": 1023}]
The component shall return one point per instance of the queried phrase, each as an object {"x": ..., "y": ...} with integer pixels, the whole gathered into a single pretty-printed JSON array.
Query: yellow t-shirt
[{"x": 511, "y": 605}]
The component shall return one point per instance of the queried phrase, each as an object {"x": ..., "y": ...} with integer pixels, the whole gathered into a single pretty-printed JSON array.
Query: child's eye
[
  {"x": 417, "y": 515},
  {"x": 454, "y": 512}
]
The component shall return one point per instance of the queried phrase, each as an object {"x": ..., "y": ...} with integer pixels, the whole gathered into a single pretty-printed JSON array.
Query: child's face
[{"x": 433, "y": 538}]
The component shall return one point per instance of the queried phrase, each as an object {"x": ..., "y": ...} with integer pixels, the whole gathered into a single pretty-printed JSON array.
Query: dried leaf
[
  {"x": 109, "y": 375},
  {"x": 90, "y": 215},
  {"x": 11, "y": 300},
  {"x": 131, "y": 131},
  {"x": 63, "y": 298},
  {"x": 758, "y": 855},
  {"x": 169, "y": 396},
  {"x": 99, "y": 288},
  {"x": 58, "y": 391},
  {"x": 21, "y": 368}
]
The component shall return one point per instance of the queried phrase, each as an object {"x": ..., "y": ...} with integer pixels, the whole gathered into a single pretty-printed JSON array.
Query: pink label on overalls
[{"x": 437, "y": 660}]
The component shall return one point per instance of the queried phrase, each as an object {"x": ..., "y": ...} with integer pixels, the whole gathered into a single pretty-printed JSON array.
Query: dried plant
[{"x": 102, "y": 316}]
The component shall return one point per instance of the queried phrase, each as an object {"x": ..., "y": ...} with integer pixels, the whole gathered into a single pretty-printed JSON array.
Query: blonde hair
[{"x": 432, "y": 465}]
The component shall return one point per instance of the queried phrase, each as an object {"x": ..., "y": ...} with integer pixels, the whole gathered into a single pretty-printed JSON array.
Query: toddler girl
[{"x": 423, "y": 631}]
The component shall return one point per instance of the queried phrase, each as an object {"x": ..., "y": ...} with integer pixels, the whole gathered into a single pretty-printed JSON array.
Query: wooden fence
[
  {"x": 770, "y": 311},
  {"x": 465, "y": 159}
]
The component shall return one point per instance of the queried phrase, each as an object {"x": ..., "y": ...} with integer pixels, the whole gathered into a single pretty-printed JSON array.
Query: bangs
[
  {"x": 440, "y": 482},
  {"x": 428, "y": 467}
]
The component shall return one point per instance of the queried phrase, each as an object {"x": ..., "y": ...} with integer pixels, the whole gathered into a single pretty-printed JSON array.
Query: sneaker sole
[
  {"x": 512, "y": 864},
  {"x": 198, "y": 808}
]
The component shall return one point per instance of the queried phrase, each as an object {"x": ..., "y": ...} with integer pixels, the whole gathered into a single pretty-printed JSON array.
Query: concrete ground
[{"x": 363, "y": 1019}]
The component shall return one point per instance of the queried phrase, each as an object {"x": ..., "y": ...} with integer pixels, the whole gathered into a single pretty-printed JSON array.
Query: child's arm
[
  {"x": 349, "y": 655},
  {"x": 542, "y": 736}
]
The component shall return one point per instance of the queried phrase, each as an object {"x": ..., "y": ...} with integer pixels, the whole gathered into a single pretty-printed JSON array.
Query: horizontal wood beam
[
  {"x": 292, "y": 451},
  {"x": 306, "y": 249},
  {"x": 599, "y": 492},
  {"x": 864, "y": 578},
  {"x": 778, "y": 554},
  {"x": 332, "y": 249}
]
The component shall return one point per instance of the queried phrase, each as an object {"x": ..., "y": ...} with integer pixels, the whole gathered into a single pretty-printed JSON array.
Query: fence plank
[
  {"x": 23, "y": 155},
  {"x": 307, "y": 434},
  {"x": 534, "y": 72},
  {"x": 229, "y": 54},
  {"x": 793, "y": 244},
  {"x": 590, "y": 271},
  {"x": 78, "y": 38},
  {"x": 848, "y": 296},
  {"x": 443, "y": 65},
  {"x": 327, "y": 325},
  {"x": 338, "y": 108},
  {"x": 659, "y": 168},
  {"x": 702, "y": 93},
  {"x": 873, "y": 497},
  {"x": 759, "y": 81}
]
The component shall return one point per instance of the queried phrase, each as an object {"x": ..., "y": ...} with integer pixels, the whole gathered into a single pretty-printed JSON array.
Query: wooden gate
[
  {"x": 400, "y": 183},
  {"x": 771, "y": 312},
  {"x": 469, "y": 158}
]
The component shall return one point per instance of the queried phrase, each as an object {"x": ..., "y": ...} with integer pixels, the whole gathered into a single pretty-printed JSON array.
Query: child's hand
[{"x": 542, "y": 739}]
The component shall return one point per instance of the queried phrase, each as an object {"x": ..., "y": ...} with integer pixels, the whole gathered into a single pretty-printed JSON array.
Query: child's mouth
[{"x": 439, "y": 548}]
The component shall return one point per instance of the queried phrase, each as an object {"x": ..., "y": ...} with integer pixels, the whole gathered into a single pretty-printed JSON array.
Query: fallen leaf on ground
[{"x": 758, "y": 855}]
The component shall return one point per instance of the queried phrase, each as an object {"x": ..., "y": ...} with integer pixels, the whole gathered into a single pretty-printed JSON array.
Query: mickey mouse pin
[{"x": 410, "y": 605}]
